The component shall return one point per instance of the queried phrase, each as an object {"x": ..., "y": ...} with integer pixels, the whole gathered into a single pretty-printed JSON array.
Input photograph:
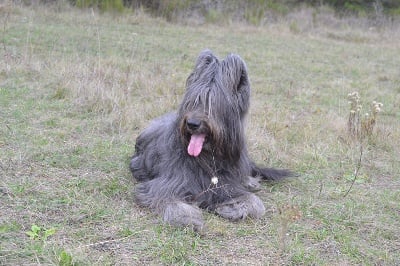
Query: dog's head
[{"x": 214, "y": 106}]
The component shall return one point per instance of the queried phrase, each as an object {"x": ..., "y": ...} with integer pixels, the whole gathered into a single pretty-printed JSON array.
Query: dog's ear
[
  {"x": 205, "y": 58},
  {"x": 204, "y": 68},
  {"x": 234, "y": 76},
  {"x": 234, "y": 72}
]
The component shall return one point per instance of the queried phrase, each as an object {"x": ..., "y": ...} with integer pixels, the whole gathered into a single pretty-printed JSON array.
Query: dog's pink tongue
[{"x": 196, "y": 144}]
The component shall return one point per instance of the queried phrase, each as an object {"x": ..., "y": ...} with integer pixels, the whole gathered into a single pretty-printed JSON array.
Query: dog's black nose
[{"x": 193, "y": 123}]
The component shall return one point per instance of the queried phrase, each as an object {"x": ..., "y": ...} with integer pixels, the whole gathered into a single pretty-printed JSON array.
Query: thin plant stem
[{"x": 356, "y": 171}]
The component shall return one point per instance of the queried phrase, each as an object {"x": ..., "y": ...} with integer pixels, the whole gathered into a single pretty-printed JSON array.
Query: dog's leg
[
  {"x": 179, "y": 213},
  {"x": 248, "y": 205}
]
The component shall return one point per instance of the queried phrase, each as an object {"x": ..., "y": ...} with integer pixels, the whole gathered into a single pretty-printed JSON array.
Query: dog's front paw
[
  {"x": 179, "y": 213},
  {"x": 239, "y": 208}
]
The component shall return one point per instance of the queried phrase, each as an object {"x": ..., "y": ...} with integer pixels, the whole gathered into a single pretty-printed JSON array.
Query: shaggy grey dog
[{"x": 197, "y": 158}]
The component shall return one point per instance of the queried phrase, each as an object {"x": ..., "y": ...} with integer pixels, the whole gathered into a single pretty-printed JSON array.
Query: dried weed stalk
[{"x": 360, "y": 127}]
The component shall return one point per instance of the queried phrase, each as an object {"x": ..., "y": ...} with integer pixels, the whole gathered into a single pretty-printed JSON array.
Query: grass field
[{"x": 76, "y": 88}]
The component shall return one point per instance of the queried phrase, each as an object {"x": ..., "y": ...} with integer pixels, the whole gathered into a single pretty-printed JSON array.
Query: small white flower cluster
[
  {"x": 354, "y": 101},
  {"x": 361, "y": 126},
  {"x": 355, "y": 106},
  {"x": 376, "y": 107}
]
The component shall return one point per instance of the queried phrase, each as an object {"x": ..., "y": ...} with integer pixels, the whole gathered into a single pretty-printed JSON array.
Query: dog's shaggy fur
[{"x": 197, "y": 158}]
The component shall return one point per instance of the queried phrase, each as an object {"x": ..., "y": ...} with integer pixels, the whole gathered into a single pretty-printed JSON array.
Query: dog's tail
[{"x": 271, "y": 174}]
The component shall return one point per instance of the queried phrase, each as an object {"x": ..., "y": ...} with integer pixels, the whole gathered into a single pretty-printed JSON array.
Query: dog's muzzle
[
  {"x": 193, "y": 124},
  {"x": 196, "y": 130}
]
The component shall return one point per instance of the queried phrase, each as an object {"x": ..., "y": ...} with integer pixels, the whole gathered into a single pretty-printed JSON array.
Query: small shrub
[
  {"x": 254, "y": 15},
  {"x": 394, "y": 12},
  {"x": 103, "y": 5},
  {"x": 39, "y": 233},
  {"x": 65, "y": 259},
  {"x": 212, "y": 16},
  {"x": 279, "y": 7},
  {"x": 294, "y": 28}
]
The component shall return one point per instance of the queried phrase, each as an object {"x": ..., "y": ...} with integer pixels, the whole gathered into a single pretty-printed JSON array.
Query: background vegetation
[
  {"x": 251, "y": 11},
  {"x": 78, "y": 85}
]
